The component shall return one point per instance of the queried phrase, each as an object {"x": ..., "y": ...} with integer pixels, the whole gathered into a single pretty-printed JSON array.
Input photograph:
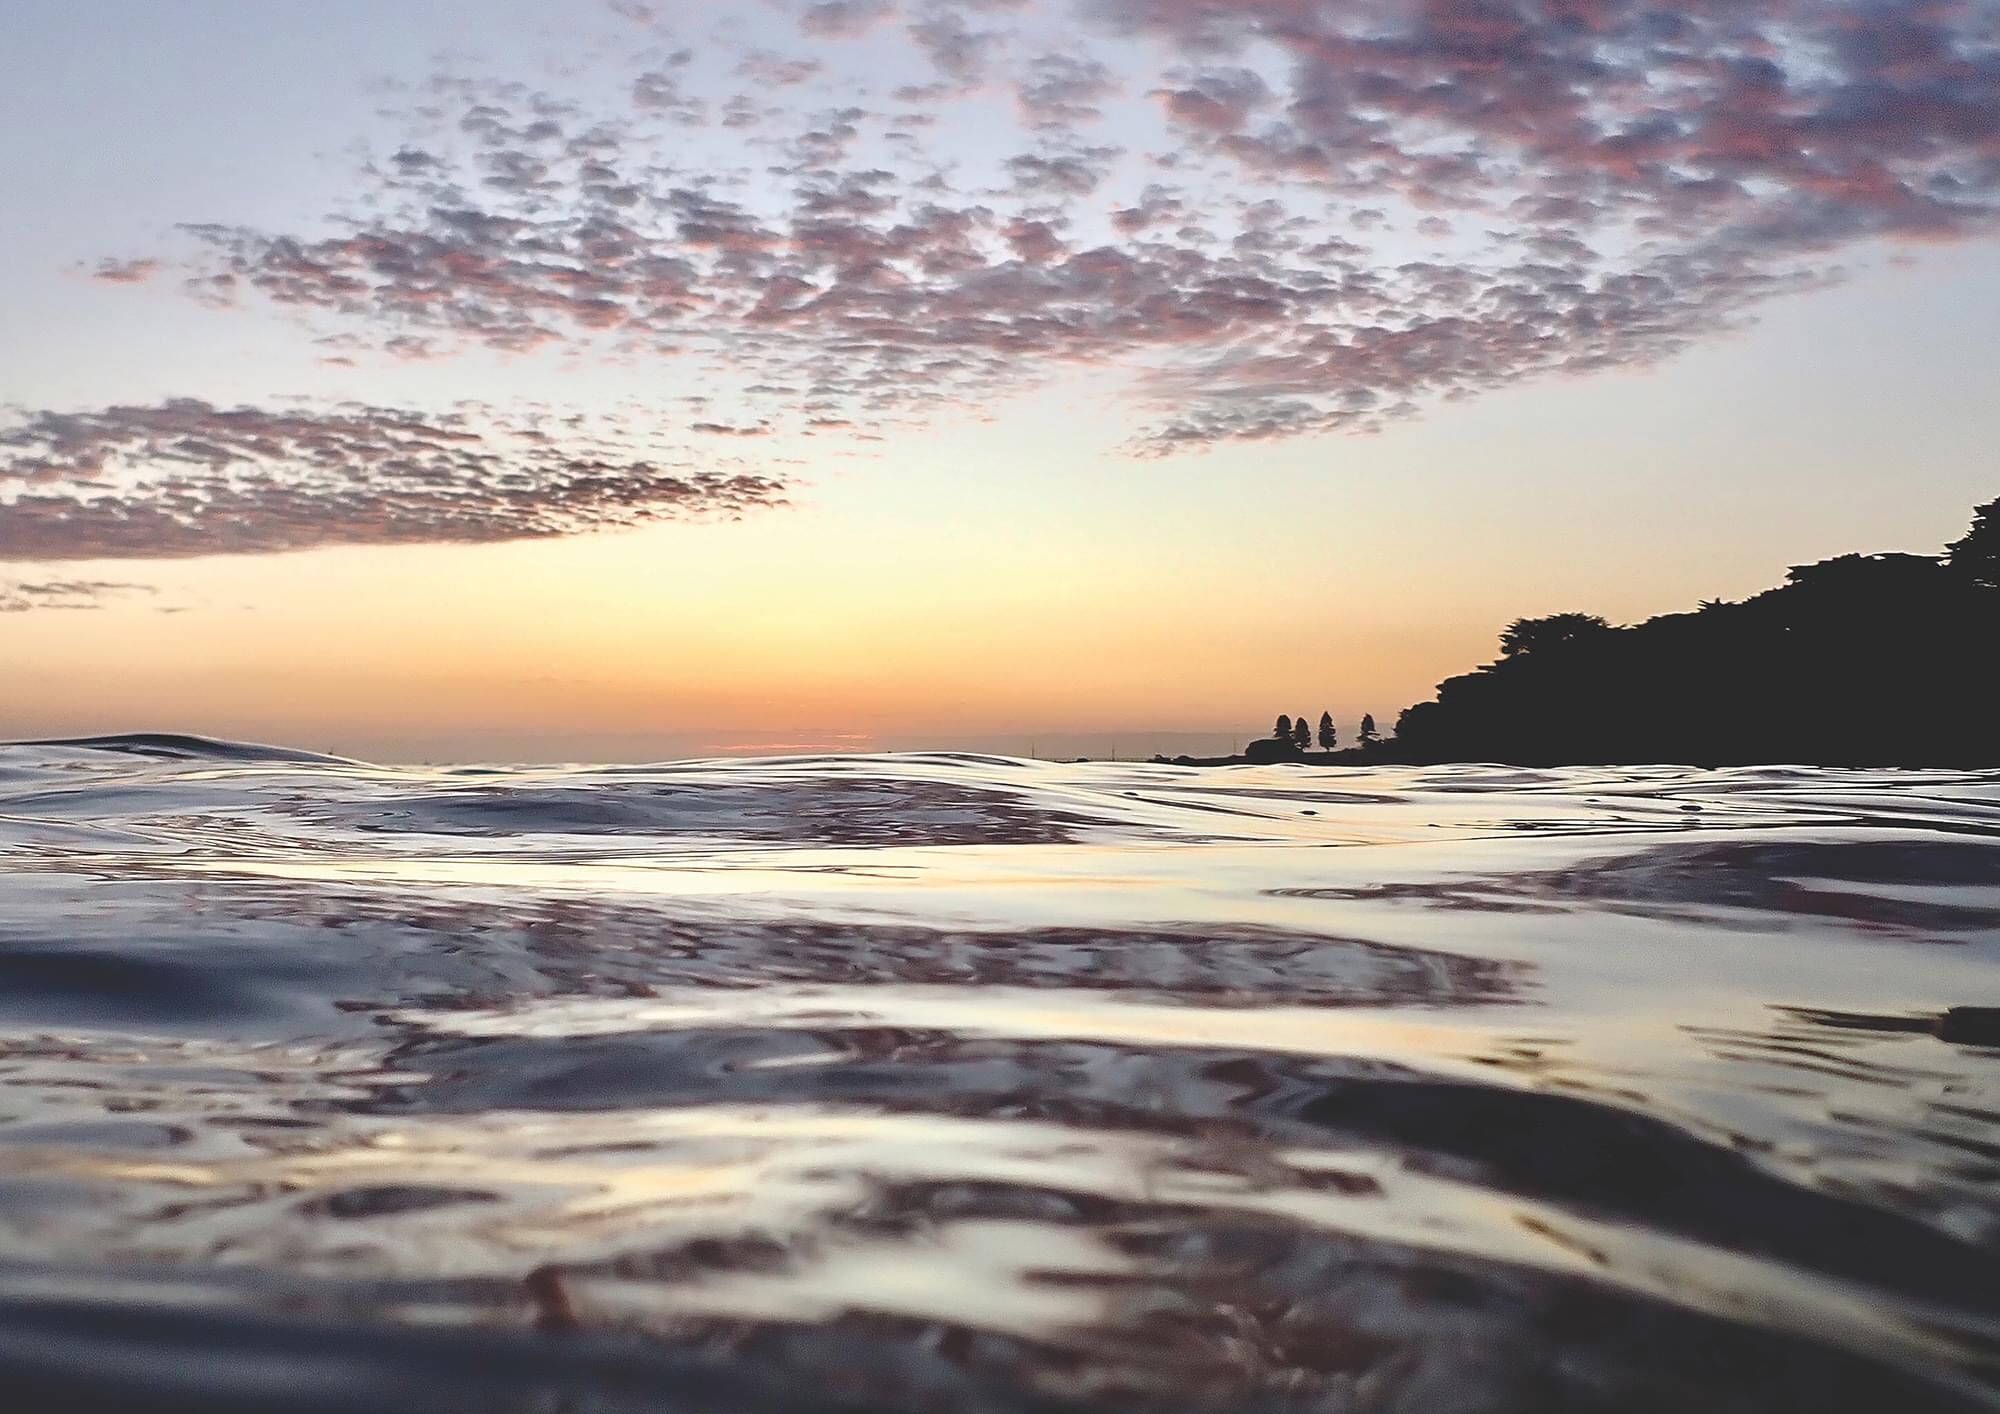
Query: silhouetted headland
[{"x": 1861, "y": 660}]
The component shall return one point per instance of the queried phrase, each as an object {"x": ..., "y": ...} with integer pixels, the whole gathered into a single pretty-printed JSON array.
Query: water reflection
[
  {"x": 954, "y": 1084},
  {"x": 1907, "y": 885}
]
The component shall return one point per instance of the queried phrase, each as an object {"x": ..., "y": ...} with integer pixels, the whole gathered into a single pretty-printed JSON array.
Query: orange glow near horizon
[{"x": 1062, "y": 599}]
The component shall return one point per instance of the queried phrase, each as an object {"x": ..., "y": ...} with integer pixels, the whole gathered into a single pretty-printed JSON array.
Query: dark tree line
[{"x": 1889, "y": 659}]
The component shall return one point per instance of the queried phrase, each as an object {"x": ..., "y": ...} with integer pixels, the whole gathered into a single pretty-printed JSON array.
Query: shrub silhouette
[
  {"x": 1977, "y": 555},
  {"x": 1556, "y": 633}
]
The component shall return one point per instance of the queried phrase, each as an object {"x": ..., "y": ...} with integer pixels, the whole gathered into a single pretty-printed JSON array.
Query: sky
[{"x": 476, "y": 380}]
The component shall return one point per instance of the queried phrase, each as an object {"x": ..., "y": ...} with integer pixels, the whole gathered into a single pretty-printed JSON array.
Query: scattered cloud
[
  {"x": 1282, "y": 216},
  {"x": 1061, "y": 90},
  {"x": 186, "y": 478},
  {"x": 959, "y": 54},
  {"x": 844, "y": 19},
  {"x": 22, "y": 596},
  {"x": 637, "y": 11},
  {"x": 125, "y": 272}
]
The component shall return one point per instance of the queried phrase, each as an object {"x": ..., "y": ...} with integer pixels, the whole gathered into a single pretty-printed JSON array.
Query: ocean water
[{"x": 953, "y": 1083}]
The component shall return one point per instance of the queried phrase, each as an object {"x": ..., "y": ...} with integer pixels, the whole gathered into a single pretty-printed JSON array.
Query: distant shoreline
[{"x": 1351, "y": 757}]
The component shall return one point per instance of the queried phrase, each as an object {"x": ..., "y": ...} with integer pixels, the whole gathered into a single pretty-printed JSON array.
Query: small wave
[{"x": 172, "y": 746}]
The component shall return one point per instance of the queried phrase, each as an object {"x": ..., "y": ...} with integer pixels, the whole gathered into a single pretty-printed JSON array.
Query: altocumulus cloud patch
[
  {"x": 1279, "y": 217},
  {"x": 1282, "y": 216},
  {"x": 185, "y": 478}
]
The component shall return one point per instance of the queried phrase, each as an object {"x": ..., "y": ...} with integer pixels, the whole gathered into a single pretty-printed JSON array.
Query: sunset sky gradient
[{"x": 484, "y": 379}]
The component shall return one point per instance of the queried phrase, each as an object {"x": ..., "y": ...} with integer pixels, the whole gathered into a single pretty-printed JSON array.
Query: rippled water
[{"x": 956, "y": 1083}]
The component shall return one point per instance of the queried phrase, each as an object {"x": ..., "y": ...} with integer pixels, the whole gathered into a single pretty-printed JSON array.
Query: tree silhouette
[
  {"x": 1328, "y": 736},
  {"x": 1302, "y": 733},
  {"x": 1977, "y": 555},
  {"x": 1807, "y": 672},
  {"x": 1555, "y": 631},
  {"x": 1282, "y": 731},
  {"x": 1368, "y": 735}
]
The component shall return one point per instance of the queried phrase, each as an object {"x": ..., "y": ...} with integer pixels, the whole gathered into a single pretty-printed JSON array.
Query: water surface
[{"x": 963, "y": 1083}]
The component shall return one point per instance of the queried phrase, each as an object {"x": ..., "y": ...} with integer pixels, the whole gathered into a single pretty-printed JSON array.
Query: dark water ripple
[{"x": 960, "y": 1083}]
